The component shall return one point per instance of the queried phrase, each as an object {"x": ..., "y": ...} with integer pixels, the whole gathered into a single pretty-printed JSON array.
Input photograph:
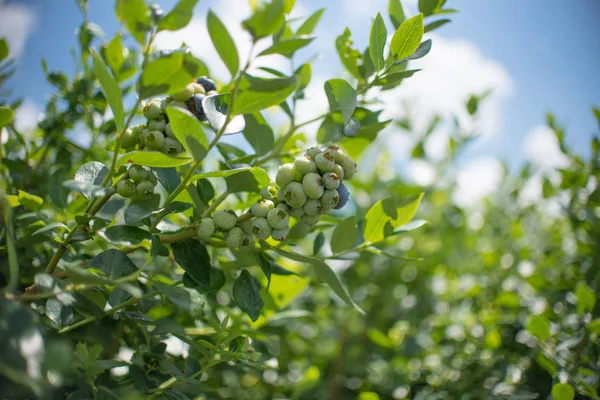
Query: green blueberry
[
  {"x": 164, "y": 103},
  {"x": 280, "y": 234},
  {"x": 152, "y": 109},
  {"x": 179, "y": 104},
  {"x": 305, "y": 165},
  {"x": 283, "y": 206},
  {"x": 313, "y": 185},
  {"x": 296, "y": 212},
  {"x": 137, "y": 173},
  {"x": 312, "y": 207},
  {"x": 171, "y": 147},
  {"x": 151, "y": 177},
  {"x": 330, "y": 199},
  {"x": 206, "y": 228},
  {"x": 310, "y": 220},
  {"x": 234, "y": 237},
  {"x": 335, "y": 151},
  {"x": 185, "y": 94},
  {"x": 144, "y": 190},
  {"x": 280, "y": 195},
  {"x": 126, "y": 188},
  {"x": 331, "y": 180},
  {"x": 158, "y": 125},
  {"x": 349, "y": 167},
  {"x": 246, "y": 226},
  {"x": 261, "y": 228},
  {"x": 137, "y": 129},
  {"x": 198, "y": 88},
  {"x": 285, "y": 175},
  {"x": 169, "y": 131},
  {"x": 225, "y": 219},
  {"x": 155, "y": 140},
  {"x": 294, "y": 195},
  {"x": 325, "y": 162},
  {"x": 269, "y": 193},
  {"x": 129, "y": 140},
  {"x": 339, "y": 171},
  {"x": 278, "y": 218},
  {"x": 141, "y": 138},
  {"x": 247, "y": 240},
  {"x": 312, "y": 152},
  {"x": 261, "y": 208}
]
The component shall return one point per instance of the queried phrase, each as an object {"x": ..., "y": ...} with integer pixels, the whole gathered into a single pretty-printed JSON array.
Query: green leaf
[
  {"x": 135, "y": 15},
  {"x": 287, "y": 47},
  {"x": 377, "y": 42},
  {"x": 344, "y": 235},
  {"x": 113, "y": 54},
  {"x": 388, "y": 214},
  {"x": 178, "y": 17},
  {"x": 169, "y": 72},
  {"x": 125, "y": 234},
  {"x": 188, "y": 131},
  {"x": 192, "y": 256},
  {"x": 111, "y": 90},
  {"x": 266, "y": 267},
  {"x": 341, "y": 96},
  {"x": 586, "y": 299},
  {"x": 257, "y": 93},
  {"x": 318, "y": 243},
  {"x": 563, "y": 391},
  {"x": 349, "y": 56},
  {"x": 168, "y": 177},
  {"x": 58, "y": 313},
  {"x": 3, "y": 50},
  {"x": 421, "y": 51},
  {"x": 137, "y": 211},
  {"x": 6, "y": 115},
  {"x": 304, "y": 74},
  {"x": 594, "y": 326},
  {"x": 51, "y": 227},
  {"x": 153, "y": 159},
  {"x": 379, "y": 338},
  {"x": 177, "y": 207},
  {"x": 246, "y": 293},
  {"x": 435, "y": 24},
  {"x": 259, "y": 133},
  {"x": 30, "y": 201},
  {"x": 114, "y": 263},
  {"x": 184, "y": 299},
  {"x": 428, "y": 7},
  {"x": 266, "y": 20},
  {"x": 223, "y": 43},
  {"x": 539, "y": 326},
  {"x": 310, "y": 24},
  {"x": 92, "y": 172},
  {"x": 219, "y": 174},
  {"x": 250, "y": 180},
  {"x": 407, "y": 38},
  {"x": 81, "y": 275},
  {"x": 396, "y": 12}
]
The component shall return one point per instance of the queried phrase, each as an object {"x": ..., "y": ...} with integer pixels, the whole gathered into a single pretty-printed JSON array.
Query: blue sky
[{"x": 537, "y": 55}]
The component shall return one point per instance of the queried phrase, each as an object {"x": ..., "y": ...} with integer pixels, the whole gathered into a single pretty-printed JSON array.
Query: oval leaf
[
  {"x": 192, "y": 256},
  {"x": 153, "y": 159},
  {"x": 344, "y": 235},
  {"x": 223, "y": 42},
  {"x": 111, "y": 90},
  {"x": 377, "y": 42},
  {"x": 407, "y": 38},
  {"x": 246, "y": 293},
  {"x": 341, "y": 96}
]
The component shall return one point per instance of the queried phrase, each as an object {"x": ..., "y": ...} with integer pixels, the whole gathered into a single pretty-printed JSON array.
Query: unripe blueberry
[
  {"x": 294, "y": 195},
  {"x": 144, "y": 190},
  {"x": 313, "y": 185},
  {"x": 262, "y": 207},
  {"x": 137, "y": 129},
  {"x": 278, "y": 218},
  {"x": 261, "y": 228},
  {"x": 349, "y": 167},
  {"x": 304, "y": 165},
  {"x": 164, "y": 103},
  {"x": 280, "y": 195},
  {"x": 155, "y": 140},
  {"x": 269, "y": 193},
  {"x": 331, "y": 180},
  {"x": 184, "y": 94},
  {"x": 283, "y": 206},
  {"x": 194, "y": 105},
  {"x": 324, "y": 162},
  {"x": 296, "y": 212},
  {"x": 312, "y": 207},
  {"x": 151, "y": 177},
  {"x": 310, "y": 220},
  {"x": 312, "y": 152},
  {"x": 330, "y": 199},
  {"x": 344, "y": 196},
  {"x": 207, "y": 83},
  {"x": 246, "y": 226},
  {"x": 171, "y": 147},
  {"x": 247, "y": 240},
  {"x": 158, "y": 125},
  {"x": 280, "y": 234},
  {"x": 126, "y": 188},
  {"x": 285, "y": 175},
  {"x": 339, "y": 171},
  {"x": 129, "y": 140},
  {"x": 137, "y": 173},
  {"x": 198, "y": 88},
  {"x": 169, "y": 131},
  {"x": 335, "y": 152},
  {"x": 234, "y": 237},
  {"x": 141, "y": 138},
  {"x": 179, "y": 104},
  {"x": 225, "y": 219},
  {"x": 206, "y": 228},
  {"x": 152, "y": 109}
]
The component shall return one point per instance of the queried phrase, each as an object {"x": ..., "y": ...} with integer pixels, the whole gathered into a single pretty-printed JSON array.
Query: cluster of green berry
[
  {"x": 137, "y": 183},
  {"x": 306, "y": 189},
  {"x": 157, "y": 134}
]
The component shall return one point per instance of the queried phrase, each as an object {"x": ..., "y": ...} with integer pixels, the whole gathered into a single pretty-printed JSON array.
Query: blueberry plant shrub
[{"x": 137, "y": 239}]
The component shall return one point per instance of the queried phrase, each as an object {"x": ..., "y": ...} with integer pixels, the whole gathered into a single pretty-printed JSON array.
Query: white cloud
[
  {"x": 476, "y": 180},
  {"x": 27, "y": 116},
  {"x": 16, "y": 24},
  {"x": 541, "y": 148}
]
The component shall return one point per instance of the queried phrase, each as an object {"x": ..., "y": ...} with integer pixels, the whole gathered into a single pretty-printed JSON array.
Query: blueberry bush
[{"x": 164, "y": 262}]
